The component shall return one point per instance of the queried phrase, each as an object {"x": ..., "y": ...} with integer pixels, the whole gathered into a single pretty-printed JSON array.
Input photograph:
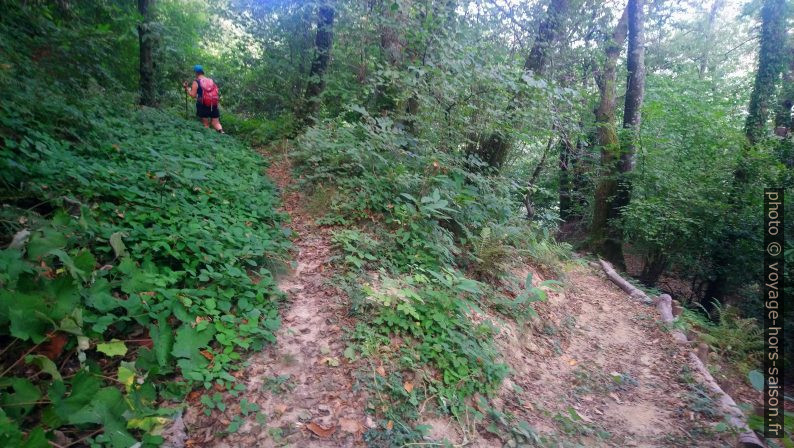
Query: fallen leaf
[
  {"x": 390, "y": 425},
  {"x": 54, "y": 347},
  {"x": 207, "y": 355},
  {"x": 381, "y": 371},
  {"x": 409, "y": 386},
  {"x": 331, "y": 361},
  {"x": 321, "y": 431},
  {"x": 280, "y": 408},
  {"x": 349, "y": 425}
]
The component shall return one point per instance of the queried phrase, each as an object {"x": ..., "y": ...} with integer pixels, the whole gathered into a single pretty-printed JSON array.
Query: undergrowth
[
  {"x": 422, "y": 236},
  {"x": 735, "y": 339},
  {"x": 138, "y": 260}
]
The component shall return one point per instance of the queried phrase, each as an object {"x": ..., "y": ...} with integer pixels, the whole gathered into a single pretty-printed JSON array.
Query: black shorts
[{"x": 203, "y": 111}]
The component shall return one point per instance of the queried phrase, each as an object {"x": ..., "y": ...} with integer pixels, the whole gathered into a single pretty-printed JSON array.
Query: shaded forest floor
[{"x": 595, "y": 369}]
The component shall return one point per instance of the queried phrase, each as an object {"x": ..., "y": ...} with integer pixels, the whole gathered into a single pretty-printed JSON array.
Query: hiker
[{"x": 206, "y": 94}]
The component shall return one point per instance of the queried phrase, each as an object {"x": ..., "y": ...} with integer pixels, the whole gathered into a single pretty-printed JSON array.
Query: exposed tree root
[{"x": 747, "y": 438}]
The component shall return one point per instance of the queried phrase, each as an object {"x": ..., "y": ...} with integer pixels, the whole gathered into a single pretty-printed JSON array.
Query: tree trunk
[
  {"x": 654, "y": 265},
  {"x": 770, "y": 62},
  {"x": 786, "y": 99},
  {"x": 148, "y": 96},
  {"x": 323, "y": 42},
  {"x": 536, "y": 63},
  {"x": 528, "y": 203},
  {"x": 607, "y": 139},
  {"x": 566, "y": 184},
  {"x": 392, "y": 47},
  {"x": 632, "y": 115},
  {"x": 537, "y": 60},
  {"x": 705, "y": 61},
  {"x": 770, "y": 65}
]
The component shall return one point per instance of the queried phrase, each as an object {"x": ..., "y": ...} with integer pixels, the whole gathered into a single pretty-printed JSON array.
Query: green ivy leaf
[
  {"x": 23, "y": 398},
  {"x": 99, "y": 296},
  {"x": 112, "y": 348},
  {"x": 117, "y": 244},
  {"x": 44, "y": 242},
  {"x": 189, "y": 341},
  {"x": 163, "y": 341}
]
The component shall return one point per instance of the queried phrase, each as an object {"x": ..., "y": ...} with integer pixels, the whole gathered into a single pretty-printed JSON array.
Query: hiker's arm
[{"x": 192, "y": 91}]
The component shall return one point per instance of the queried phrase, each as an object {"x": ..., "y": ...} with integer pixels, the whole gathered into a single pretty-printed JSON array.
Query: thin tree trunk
[
  {"x": 392, "y": 46},
  {"x": 566, "y": 184},
  {"x": 607, "y": 139},
  {"x": 708, "y": 35},
  {"x": 323, "y": 42},
  {"x": 528, "y": 203},
  {"x": 146, "y": 44}
]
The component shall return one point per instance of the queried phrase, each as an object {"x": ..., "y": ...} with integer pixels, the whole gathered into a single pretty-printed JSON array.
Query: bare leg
[
  {"x": 205, "y": 122},
  {"x": 216, "y": 123}
]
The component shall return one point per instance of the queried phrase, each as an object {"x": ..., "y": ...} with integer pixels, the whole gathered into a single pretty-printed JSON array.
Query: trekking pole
[{"x": 182, "y": 89}]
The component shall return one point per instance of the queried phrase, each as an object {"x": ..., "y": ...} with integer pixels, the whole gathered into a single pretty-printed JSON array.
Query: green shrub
[
  {"x": 734, "y": 338},
  {"x": 258, "y": 131}
]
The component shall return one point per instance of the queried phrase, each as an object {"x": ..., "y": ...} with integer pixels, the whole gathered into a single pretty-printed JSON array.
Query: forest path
[
  {"x": 302, "y": 383},
  {"x": 599, "y": 369}
]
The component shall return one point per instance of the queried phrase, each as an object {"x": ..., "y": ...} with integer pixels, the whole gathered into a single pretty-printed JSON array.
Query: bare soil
[{"x": 597, "y": 352}]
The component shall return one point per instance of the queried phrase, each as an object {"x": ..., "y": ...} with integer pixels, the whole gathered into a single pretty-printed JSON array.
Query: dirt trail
[
  {"x": 604, "y": 356},
  {"x": 301, "y": 383},
  {"x": 595, "y": 370}
]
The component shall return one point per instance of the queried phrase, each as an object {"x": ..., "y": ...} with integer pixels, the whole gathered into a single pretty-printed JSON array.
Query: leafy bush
[{"x": 492, "y": 254}]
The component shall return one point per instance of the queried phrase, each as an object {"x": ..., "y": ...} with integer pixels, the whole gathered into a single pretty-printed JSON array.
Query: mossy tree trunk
[
  {"x": 607, "y": 139},
  {"x": 771, "y": 57},
  {"x": 770, "y": 65},
  {"x": 632, "y": 115}
]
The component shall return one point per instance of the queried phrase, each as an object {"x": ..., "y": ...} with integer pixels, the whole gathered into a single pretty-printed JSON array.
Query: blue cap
[{"x": 198, "y": 68}]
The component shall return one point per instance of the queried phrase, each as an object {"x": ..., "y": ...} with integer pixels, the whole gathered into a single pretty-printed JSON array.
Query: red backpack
[{"x": 209, "y": 92}]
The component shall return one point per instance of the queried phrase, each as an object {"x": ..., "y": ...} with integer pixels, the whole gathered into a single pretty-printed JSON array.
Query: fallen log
[
  {"x": 630, "y": 289},
  {"x": 747, "y": 437}
]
